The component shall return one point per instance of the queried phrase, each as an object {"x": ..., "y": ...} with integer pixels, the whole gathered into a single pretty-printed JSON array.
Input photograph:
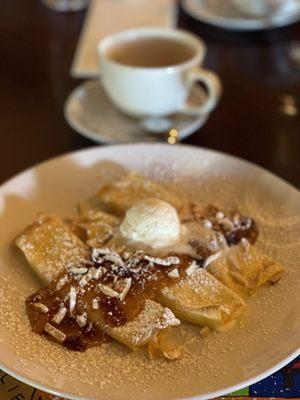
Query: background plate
[{"x": 224, "y": 15}]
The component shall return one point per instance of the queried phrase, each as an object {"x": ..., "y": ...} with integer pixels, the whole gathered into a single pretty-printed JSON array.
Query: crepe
[
  {"x": 152, "y": 319},
  {"x": 51, "y": 247},
  {"x": 202, "y": 300},
  {"x": 94, "y": 227},
  {"x": 121, "y": 195},
  {"x": 244, "y": 269}
]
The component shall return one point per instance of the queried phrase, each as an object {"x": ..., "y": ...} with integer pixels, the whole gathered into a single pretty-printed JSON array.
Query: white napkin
[{"x": 105, "y": 17}]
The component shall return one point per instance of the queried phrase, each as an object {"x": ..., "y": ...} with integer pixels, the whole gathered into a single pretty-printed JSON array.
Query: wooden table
[{"x": 258, "y": 118}]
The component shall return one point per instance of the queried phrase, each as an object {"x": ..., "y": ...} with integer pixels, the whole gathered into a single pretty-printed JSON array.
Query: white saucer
[
  {"x": 90, "y": 113},
  {"x": 223, "y": 14}
]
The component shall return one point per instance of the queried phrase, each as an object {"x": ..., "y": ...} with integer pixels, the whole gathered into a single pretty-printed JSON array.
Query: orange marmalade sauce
[
  {"x": 112, "y": 288},
  {"x": 147, "y": 280},
  {"x": 77, "y": 338},
  {"x": 231, "y": 225}
]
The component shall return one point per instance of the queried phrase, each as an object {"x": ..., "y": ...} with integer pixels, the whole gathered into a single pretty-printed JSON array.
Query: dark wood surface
[{"x": 257, "y": 119}]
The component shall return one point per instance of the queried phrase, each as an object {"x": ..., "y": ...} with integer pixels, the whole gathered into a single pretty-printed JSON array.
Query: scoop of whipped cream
[{"x": 152, "y": 222}]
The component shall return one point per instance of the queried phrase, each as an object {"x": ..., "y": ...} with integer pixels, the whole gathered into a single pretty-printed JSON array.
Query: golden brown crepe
[
  {"x": 51, "y": 247},
  {"x": 243, "y": 268},
  {"x": 121, "y": 195},
  {"x": 94, "y": 227},
  {"x": 202, "y": 300},
  {"x": 139, "y": 332}
]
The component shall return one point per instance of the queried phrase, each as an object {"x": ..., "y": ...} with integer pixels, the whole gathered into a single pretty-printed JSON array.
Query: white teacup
[{"x": 141, "y": 90}]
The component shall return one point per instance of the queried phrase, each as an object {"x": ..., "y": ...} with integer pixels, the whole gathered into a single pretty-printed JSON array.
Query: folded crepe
[
  {"x": 121, "y": 195},
  {"x": 94, "y": 227},
  {"x": 244, "y": 269},
  {"x": 203, "y": 300},
  {"x": 152, "y": 319},
  {"x": 51, "y": 247}
]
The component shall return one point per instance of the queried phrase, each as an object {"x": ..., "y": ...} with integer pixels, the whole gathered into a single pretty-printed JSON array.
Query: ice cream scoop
[{"x": 152, "y": 222}]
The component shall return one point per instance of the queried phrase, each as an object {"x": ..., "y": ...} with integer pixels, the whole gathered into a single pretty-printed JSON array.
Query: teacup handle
[{"x": 214, "y": 89}]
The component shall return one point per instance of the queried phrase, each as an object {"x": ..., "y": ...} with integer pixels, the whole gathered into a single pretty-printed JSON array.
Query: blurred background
[{"x": 257, "y": 58}]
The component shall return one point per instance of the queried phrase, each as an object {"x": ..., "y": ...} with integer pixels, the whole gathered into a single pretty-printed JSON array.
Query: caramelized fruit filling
[{"x": 232, "y": 225}]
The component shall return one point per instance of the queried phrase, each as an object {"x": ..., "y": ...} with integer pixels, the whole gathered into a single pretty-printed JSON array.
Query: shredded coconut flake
[
  {"x": 211, "y": 259},
  {"x": 85, "y": 279},
  {"x": 54, "y": 332},
  {"x": 78, "y": 271},
  {"x": 191, "y": 268},
  {"x": 41, "y": 307},
  {"x": 174, "y": 273},
  {"x": 220, "y": 215},
  {"x": 96, "y": 272},
  {"x": 126, "y": 289},
  {"x": 207, "y": 224},
  {"x": 98, "y": 253},
  {"x": 72, "y": 299},
  {"x": 108, "y": 291},
  {"x": 81, "y": 320},
  {"x": 165, "y": 262},
  {"x": 60, "y": 315},
  {"x": 61, "y": 283},
  {"x": 115, "y": 258},
  {"x": 217, "y": 242},
  {"x": 95, "y": 304}
]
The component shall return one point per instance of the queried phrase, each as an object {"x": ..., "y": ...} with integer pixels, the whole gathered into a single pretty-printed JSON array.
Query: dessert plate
[
  {"x": 224, "y": 14},
  {"x": 90, "y": 113},
  {"x": 265, "y": 340}
]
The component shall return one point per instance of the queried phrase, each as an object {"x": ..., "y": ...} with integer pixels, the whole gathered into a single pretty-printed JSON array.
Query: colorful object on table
[
  {"x": 284, "y": 383},
  {"x": 281, "y": 385}
]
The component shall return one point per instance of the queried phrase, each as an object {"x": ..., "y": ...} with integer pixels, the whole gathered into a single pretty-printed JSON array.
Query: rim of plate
[
  {"x": 288, "y": 358},
  {"x": 240, "y": 24},
  {"x": 209, "y": 395}
]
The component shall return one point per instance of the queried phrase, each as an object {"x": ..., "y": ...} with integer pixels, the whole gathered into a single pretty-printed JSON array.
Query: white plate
[
  {"x": 90, "y": 113},
  {"x": 223, "y": 14},
  {"x": 268, "y": 337}
]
